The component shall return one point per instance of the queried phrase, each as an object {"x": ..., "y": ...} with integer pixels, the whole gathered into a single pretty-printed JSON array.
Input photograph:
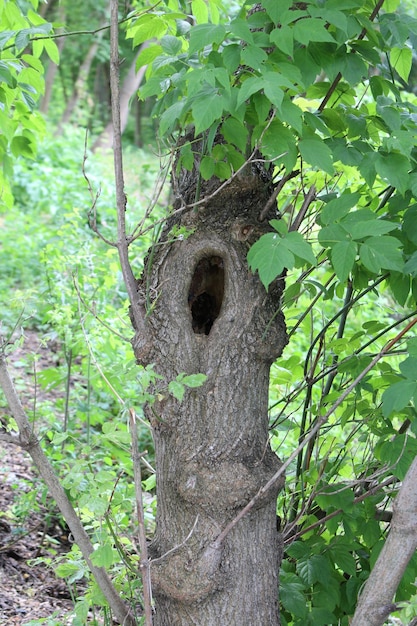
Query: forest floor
[{"x": 29, "y": 589}]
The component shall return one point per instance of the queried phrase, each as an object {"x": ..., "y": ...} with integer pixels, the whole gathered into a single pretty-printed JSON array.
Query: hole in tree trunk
[{"x": 206, "y": 293}]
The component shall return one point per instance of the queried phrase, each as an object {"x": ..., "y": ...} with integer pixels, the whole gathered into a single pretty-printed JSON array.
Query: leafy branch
[{"x": 312, "y": 434}]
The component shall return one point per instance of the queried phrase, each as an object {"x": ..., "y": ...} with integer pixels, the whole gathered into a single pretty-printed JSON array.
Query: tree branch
[
  {"x": 321, "y": 420},
  {"x": 144, "y": 561},
  {"x": 138, "y": 311},
  {"x": 30, "y": 443},
  {"x": 375, "y": 602},
  {"x": 338, "y": 78}
]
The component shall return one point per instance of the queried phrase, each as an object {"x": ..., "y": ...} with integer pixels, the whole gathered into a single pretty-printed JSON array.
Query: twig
[
  {"x": 338, "y": 77},
  {"x": 177, "y": 547},
  {"x": 92, "y": 212},
  {"x": 308, "y": 199},
  {"x": 322, "y": 420},
  {"x": 13, "y": 439},
  {"x": 76, "y": 33},
  {"x": 30, "y": 443},
  {"x": 94, "y": 314},
  {"x": 138, "y": 312},
  {"x": 144, "y": 561},
  {"x": 276, "y": 192}
]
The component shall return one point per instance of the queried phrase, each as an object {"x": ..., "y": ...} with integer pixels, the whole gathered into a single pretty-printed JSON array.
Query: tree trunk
[
  {"x": 80, "y": 83},
  {"x": 376, "y": 600},
  {"x": 52, "y": 67},
  {"x": 208, "y": 314},
  {"x": 130, "y": 85}
]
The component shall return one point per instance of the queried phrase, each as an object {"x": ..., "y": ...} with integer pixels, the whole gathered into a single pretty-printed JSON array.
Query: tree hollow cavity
[{"x": 206, "y": 293}]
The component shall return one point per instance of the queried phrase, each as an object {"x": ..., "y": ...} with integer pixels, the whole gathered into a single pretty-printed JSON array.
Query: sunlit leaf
[{"x": 401, "y": 60}]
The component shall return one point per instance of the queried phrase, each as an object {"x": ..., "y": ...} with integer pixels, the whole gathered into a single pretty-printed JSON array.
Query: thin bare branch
[
  {"x": 275, "y": 195},
  {"x": 144, "y": 561},
  {"x": 312, "y": 433},
  {"x": 30, "y": 443},
  {"x": 138, "y": 312},
  {"x": 338, "y": 77},
  {"x": 308, "y": 199}
]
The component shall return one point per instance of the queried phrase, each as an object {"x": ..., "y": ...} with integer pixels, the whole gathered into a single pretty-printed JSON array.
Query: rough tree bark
[
  {"x": 376, "y": 600},
  {"x": 207, "y": 313}
]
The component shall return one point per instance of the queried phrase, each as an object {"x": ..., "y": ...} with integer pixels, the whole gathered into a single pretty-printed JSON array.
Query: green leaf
[
  {"x": 148, "y": 55},
  {"x": 200, "y": 11},
  {"x": 253, "y": 56},
  {"x": 291, "y": 594},
  {"x": 331, "y": 234},
  {"x": 283, "y": 38},
  {"x": 249, "y": 87},
  {"x": 204, "y": 35},
  {"x": 410, "y": 224},
  {"x": 6, "y": 75},
  {"x": 397, "y": 396},
  {"x": 269, "y": 256},
  {"x": 51, "y": 50},
  {"x": 148, "y": 27},
  {"x": 274, "y": 93},
  {"x": 241, "y": 30},
  {"x": 194, "y": 380},
  {"x": 339, "y": 207},
  {"x": 275, "y": 8},
  {"x": 207, "y": 108},
  {"x": 59, "y": 438},
  {"x": 231, "y": 57},
  {"x": 104, "y": 556},
  {"x": 409, "y": 368},
  {"x": 369, "y": 228},
  {"x": 177, "y": 389},
  {"x": 317, "y": 154},
  {"x": 401, "y": 60},
  {"x": 170, "y": 117},
  {"x": 393, "y": 168},
  {"x": 343, "y": 255},
  {"x": 235, "y": 132},
  {"x": 313, "y": 29},
  {"x": 22, "y": 146},
  {"x": 291, "y": 114},
  {"x": 171, "y": 45},
  {"x": 5, "y": 37},
  {"x": 381, "y": 252},
  {"x": 411, "y": 266},
  {"x": 300, "y": 248},
  {"x": 397, "y": 453},
  {"x": 321, "y": 616},
  {"x": 278, "y": 144},
  {"x": 314, "y": 569},
  {"x": 207, "y": 166},
  {"x": 72, "y": 571},
  {"x": 342, "y": 555}
]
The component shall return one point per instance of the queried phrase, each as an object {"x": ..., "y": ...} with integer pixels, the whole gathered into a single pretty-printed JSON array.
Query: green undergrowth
[{"x": 61, "y": 281}]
